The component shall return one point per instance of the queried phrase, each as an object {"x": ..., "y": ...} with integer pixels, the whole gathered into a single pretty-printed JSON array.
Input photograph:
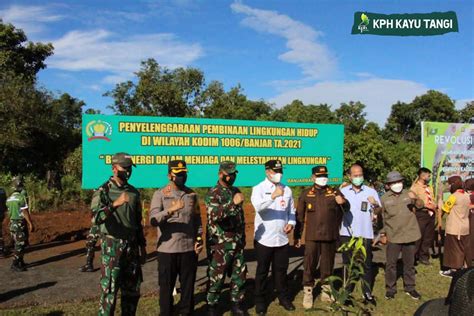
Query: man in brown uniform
[
  {"x": 322, "y": 206},
  {"x": 425, "y": 215},
  {"x": 469, "y": 185},
  {"x": 174, "y": 210},
  {"x": 400, "y": 232}
]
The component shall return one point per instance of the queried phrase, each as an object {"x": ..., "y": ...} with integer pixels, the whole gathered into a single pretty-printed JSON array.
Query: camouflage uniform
[
  {"x": 226, "y": 240},
  {"x": 92, "y": 238},
  {"x": 121, "y": 236},
  {"x": 3, "y": 209},
  {"x": 16, "y": 203}
]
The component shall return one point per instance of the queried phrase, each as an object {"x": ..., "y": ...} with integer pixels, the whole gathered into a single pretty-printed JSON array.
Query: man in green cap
[
  {"x": 174, "y": 211},
  {"x": 117, "y": 210},
  {"x": 226, "y": 239},
  {"x": 19, "y": 220}
]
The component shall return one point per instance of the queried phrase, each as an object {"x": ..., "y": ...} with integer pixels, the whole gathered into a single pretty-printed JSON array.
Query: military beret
[{"x": 228, "y": 166}]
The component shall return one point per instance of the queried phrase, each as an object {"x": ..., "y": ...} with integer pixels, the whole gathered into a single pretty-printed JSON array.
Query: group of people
[{"x": 324, "y": 215}]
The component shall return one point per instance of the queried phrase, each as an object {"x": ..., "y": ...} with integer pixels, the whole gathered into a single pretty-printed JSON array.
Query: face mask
[
  {"x": 229, "y": 179},
  {"x": 180, "y": 180},
  {"x": 396, "y": 187},
  {"x": 124, "y": 175},
  {"x": 276, "y": 178},
  {"x": 358, "y": 181},
  {"x": 322, "y": 182}
]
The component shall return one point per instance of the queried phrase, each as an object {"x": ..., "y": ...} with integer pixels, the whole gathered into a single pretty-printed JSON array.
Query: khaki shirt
[
  {"x": 178, "y": 232},
  {"x": 420, "y": 191},
  {"x": 400, "y": 223},
  {"x": 457, "y": 207},
  {"x": 322, "y": 214}
]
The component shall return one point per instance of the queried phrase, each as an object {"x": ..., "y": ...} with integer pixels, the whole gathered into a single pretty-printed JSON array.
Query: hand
[
  {"x": 122, "y": 199},
  {"x": 238, "y": 198},
  {"x": 439, "y": 226},
  {"x": 142, "y": 255},
  {"x": 372, "y": 200},
  {"x": 31, "y": 227},
  {"x": 176, "y": 205},
  {"x": 340, "y": 200},
  {"x": 278, "y": 192},
  {"x": 297, "y": 243},
  {"x": 288, "y": 228},
  {"x": 198, "y": 248},
  {"x": 383, "y": 239}
]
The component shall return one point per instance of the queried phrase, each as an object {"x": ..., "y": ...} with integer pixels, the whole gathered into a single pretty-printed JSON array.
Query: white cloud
[
  {"x": 101, "y": 50},
  {"x": 30, "y": 19},
  {"x": 460, "y": 104},
  {"x": 376, "y": 93},
  {"x": 303, "y": 42}
]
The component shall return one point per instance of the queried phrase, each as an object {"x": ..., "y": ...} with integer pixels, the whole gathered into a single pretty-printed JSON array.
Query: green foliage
[
  {"x": 466, "y": 114},
  {"x": 343, "y": 300},
  {"x": 296, "y": 111}
]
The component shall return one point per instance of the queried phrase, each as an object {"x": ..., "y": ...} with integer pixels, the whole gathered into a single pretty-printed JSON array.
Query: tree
[
  {"x": 466, "y": 114},
  {"x": 160, "y": 91},
  {"x": 404, "y": 122},
  {"x": 352, "y": 115},
  {"x": 232, "y": 104},
  {"x": 19, "y": 56},
  {"x": 296, "y": 111}
]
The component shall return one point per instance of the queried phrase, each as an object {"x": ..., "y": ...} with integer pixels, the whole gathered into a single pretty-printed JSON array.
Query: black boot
[
  {"x": 212, "y": 310},
  {"x": 16, "y": 266},
  {"x": 22, "y": 264},
  {"x": 89, "y": 266},
  {"x": 237, "y": 310}
]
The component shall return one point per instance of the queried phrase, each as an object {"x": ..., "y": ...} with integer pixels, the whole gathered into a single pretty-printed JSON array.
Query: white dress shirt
[{"x": 271, "y": 216}]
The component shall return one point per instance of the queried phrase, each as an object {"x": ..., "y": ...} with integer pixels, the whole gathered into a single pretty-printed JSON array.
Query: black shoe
[
  {"x": 369, "y": 299},
  {"x": 87, "y": 268},
  {"x": 236, "y": 310},
  {"x": 17, "y": 267},
  {"x": 287, "y": 305},
  {"x": 389, "y": 295},
  {"x": 413, "y": 294},
  {"x": 212, "y": 310},
  {"x": 260, "y": 309}
]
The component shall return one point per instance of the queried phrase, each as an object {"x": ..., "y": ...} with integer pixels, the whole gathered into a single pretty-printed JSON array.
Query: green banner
[
  {"x": 203, "y": 143},
  {"x": 447, "y": 149},
  {"x": 414, "y": 24}
]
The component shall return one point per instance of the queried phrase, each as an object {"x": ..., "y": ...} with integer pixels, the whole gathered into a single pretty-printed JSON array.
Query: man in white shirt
[{"x": 274, "y": 220}]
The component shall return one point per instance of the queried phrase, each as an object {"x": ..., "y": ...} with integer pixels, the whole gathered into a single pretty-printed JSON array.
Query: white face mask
[
  {"x": 396, "y": 187},
  {"x": 322, "y": 182},
  {"x": 276, "y": 177}
]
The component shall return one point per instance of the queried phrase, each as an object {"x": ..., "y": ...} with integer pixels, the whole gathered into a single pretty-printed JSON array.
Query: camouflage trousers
[
  {"x": 92, "y": 237},
  {"x": 223, "y": 257},
  {"x": 19, "y": 233},
  {"x": 120, "y": 269}
]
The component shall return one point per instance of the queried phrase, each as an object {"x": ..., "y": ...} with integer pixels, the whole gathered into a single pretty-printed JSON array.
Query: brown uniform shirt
[
  {"x": 420, "y": 191},
  {"x": 178, "y": 232},
  {"x": 457, "y": 207},
  {"x": 323, "y": 215},
  {"x": 400, "y": 223}
]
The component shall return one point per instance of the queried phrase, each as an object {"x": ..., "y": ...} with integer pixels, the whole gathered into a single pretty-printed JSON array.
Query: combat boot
[
  {"x": 89, "y": 266},
  {"x": 22, "y": 264},
  {"x": 308, "y": 297},
  {"x": 16, "y": 266},
  {"x": 237, "y": 310},
  {"x": 212, "y": 310}
]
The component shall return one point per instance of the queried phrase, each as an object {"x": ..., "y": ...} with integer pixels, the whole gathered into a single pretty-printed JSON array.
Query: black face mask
[
  {"x": 180, "y": 180},
  {"x": 124, "y": 175},
  {"x": 229, "y": 179}
]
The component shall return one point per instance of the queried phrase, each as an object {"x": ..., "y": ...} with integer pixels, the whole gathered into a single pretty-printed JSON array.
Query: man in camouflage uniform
[
  {"x": 19, "y": 219},
  {"x": 3, "y": 210},
  {"x": 226, "y": 228},
  {"x": 92, "y": 238},
  {"x": 117, "y": 210}
]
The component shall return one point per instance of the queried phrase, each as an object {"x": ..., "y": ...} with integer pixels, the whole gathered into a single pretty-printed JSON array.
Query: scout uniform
[
  {"x": 177, "y": 235},
  {"x": 457, "y": 242},
  {"x": 317, "y": 205},
  {"x": 470, "y": 188},
  {"x": 121, "y": 236},
  {"x": 226, "y": 239},
  {"x": 3, "y": 210},
  {"x": 426, "y": 220},
  {"x": 402, "y": 231},
  {"x": 270, "y": 241},
  {"x": 16, "y": 204}
]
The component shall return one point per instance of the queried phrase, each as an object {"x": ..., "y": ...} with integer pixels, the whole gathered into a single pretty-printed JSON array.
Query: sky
[{"x": 277, "y": 50}]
